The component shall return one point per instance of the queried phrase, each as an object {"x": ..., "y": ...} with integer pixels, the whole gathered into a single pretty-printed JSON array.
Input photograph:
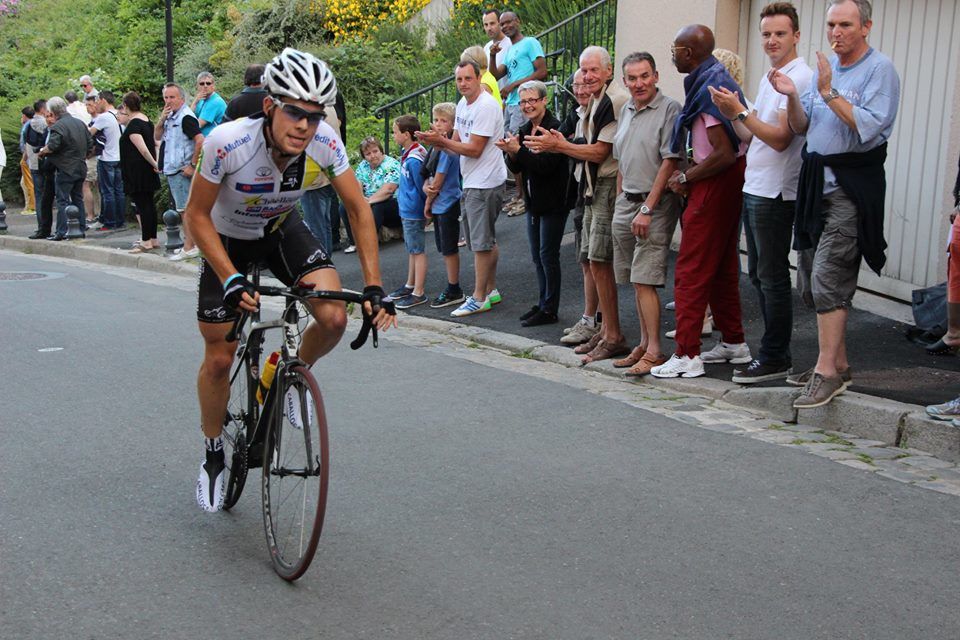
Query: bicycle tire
[
  {"x": 242, "y": 413},
  {"x": 296, "y": 464}
]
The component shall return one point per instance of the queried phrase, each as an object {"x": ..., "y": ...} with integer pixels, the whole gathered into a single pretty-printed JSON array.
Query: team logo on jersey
[
  {"x": 292, "y": 179},
  {"x": 264, "y": 172},
  {"x": 266, "y": 187}
]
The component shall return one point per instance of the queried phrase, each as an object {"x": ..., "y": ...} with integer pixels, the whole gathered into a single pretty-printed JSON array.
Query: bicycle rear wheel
[
  {"x": 242, "y": 414},
  {"x": 295, "y": 473}
]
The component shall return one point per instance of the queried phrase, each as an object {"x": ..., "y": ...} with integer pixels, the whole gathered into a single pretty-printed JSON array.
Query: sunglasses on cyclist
[{"x": 297, "y": 114}]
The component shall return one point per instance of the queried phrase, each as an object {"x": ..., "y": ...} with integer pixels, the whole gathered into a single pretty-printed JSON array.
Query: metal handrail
[{"x": 448, "y": 79}]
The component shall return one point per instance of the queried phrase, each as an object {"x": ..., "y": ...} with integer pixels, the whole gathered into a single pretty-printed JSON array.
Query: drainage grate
[{"x": 28, "y": 275}]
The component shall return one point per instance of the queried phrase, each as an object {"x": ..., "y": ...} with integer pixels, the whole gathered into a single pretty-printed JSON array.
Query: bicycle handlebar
[{"x": 302, "y": 293}]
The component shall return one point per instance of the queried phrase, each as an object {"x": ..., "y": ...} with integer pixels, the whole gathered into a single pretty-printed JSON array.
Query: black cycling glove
[
  {"x": 234, "y": 288},
  {"x": 375, "y": 295}
]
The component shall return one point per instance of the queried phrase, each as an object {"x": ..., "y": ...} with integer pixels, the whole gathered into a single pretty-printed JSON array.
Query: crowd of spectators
[{"x": 796, "y": 167}]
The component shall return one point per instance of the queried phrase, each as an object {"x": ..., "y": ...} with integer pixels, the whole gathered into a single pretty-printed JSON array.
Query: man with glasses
[
  {"x": 242, "y": 210},
  {"x": 86, "y": 83},
  {"x": 708, "y": 263},
  {"x": 180, "y": 138},
  {"x": 208, "y": 106}
]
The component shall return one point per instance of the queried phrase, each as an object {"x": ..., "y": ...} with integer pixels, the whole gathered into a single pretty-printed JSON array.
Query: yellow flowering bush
[{"x": 356, "y": 18}]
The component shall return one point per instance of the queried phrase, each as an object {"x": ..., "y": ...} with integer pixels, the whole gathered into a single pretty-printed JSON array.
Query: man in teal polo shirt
[{"x": 208, "y": 106}]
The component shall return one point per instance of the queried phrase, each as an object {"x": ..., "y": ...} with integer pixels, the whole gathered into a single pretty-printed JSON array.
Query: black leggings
[{"x": 148, "y": 214}]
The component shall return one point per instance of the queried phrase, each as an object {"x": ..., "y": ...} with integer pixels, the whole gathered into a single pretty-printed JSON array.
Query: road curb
[
  {"x": 894, "y": 423},
  {"x": 77, "y": 250},
  {"x": 862, "y": 415}
]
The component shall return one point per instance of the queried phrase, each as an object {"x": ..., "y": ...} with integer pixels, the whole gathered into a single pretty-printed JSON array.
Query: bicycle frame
[{"x": 252, "y": 347}]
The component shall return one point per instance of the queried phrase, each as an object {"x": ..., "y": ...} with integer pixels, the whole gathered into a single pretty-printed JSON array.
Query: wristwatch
[
  {"x": 645, "y": 210},
  {"x": 743, "y": 115},
  {"x": 682, "y": 178},
  {"x": 833, "y": 93}
]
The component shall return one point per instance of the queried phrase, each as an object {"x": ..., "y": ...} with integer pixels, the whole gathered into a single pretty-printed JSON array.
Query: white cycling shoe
[{"x": 211, "y": 484}]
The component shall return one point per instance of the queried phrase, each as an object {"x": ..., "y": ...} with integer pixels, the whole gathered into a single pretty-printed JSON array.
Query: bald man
[{"x": 708, "y": 264}]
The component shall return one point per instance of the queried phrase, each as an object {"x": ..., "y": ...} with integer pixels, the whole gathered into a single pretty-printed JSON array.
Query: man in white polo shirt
[
  {"x": 770, "y": 189},
  {"x": 479, "y": 123}
]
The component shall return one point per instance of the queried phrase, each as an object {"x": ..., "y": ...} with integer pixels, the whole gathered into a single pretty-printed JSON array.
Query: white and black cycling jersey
[{"x": 253, "y": 191}]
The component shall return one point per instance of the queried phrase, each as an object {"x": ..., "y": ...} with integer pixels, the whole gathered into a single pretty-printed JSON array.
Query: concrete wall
[{"x": 643, "y": 25}]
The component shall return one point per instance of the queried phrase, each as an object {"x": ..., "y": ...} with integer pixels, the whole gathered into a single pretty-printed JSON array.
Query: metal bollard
[
  {"x": 3, "y": 216},
  {"x": 74, "y": 231},
  {"x": 171, "y": 219}
]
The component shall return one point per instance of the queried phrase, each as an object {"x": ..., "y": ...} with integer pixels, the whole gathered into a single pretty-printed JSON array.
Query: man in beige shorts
[{"x": 645, "y": 214}]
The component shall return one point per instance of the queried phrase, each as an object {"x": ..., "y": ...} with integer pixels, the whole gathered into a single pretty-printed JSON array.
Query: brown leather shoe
[
  {"x": 606, "y": 350},
  {"x": 631, "y": 359},
  {"x": 589, "y": 345},
  {"x": 647, "y": 362}
]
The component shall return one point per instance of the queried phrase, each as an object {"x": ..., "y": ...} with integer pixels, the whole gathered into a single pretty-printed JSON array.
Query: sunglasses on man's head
[
  {"x": 205, "y": 83},
  {"x": 297, "y": 114}
]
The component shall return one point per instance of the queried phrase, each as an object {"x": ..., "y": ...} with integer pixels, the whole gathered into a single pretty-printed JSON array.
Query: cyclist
[{"x": 251, "y": 174}]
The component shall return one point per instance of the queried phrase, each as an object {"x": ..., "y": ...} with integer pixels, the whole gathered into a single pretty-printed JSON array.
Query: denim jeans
[
  {"x": 38, "y": 179},
  {"x": 345, "y": 221},
  {"x": 69, "y": 191},
  {"x": 768, "y": 224},
  {"x": 545, "y": 234},
  {"x": 111, "y": 192},
  {"x": 316, "y": 205},
  {"x": 179, "y": 190}
]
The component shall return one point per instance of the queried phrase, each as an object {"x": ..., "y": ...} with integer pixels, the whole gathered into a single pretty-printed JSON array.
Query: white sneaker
[
  {"x": 706, "y": 330},
  {"x": 180, "y": 254},
  {"x": 291, "y": 404},
  {"x": 210, "y": 490},
  {"x": 679, "y": 367},
  {"x": 723, "y": 352}
]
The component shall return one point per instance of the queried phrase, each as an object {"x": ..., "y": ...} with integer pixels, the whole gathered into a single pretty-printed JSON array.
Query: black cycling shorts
[{"x": 290, "y": 252}]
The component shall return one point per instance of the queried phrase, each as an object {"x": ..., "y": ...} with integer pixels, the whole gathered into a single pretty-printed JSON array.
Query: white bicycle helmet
[{"x": 300, "y": 76}]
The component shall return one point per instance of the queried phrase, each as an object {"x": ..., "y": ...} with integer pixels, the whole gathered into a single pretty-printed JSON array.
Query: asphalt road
[{"x": 466, "y": 502}]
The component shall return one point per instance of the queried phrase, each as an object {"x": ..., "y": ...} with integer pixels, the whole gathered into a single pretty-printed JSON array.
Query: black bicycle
[{"x": 287, "y": 434}]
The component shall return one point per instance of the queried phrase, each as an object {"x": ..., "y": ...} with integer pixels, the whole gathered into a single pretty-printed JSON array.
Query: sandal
[
  {"x": 631, "y": 359},
  {"x": 606, "y": 350},
  {"x": 643, "y": 367},
  {"x": 941, "y": 348},
  {"x": 589, "y": 345},
  {"x": 142, "y": 249}
]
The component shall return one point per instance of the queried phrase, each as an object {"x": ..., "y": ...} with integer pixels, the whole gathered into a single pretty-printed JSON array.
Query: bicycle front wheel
[
  {"x": 295, "y": 473},
  {"x": 242, "y": 414}
]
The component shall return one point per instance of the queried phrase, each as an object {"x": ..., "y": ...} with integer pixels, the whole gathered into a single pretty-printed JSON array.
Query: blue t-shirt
[
  {"x": 410, "y": 197},
  {"x": 450, "y": 191},
  {"x": 211, "y": 110},
  {"x": 519, "y": 63},
  {"x": 872, "y": 86}
]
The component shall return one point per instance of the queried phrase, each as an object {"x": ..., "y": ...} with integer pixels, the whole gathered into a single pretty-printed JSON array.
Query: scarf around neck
[{"x": 710, "y": 73}]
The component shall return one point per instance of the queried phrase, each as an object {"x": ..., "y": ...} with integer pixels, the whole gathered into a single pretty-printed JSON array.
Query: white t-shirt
[
  {"x": 771, "y": 173},
  {"x": 483, "y": 118},
  {"x": 253, "y": 191},
  {"x": 505, "y": 45},
  {"x": 79, "y": 111},
  {"x": 110, "y": 126}
]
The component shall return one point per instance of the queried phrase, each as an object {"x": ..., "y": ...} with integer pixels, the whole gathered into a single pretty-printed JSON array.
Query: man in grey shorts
[
  {"x": 847, "y": 114},
  {"x": 646, "y": 213},
  {"x": 479, "y": 123}
]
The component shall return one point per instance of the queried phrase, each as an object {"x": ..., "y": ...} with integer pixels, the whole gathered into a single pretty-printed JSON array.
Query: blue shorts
[{"x": 413, "y": 236}]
